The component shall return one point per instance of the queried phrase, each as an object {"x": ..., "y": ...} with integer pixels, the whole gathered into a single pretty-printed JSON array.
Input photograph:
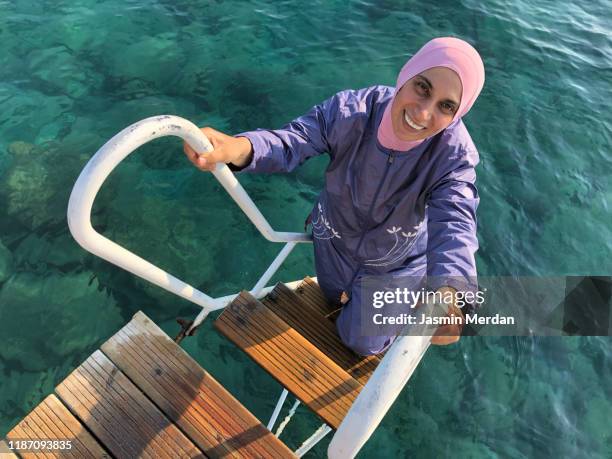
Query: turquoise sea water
[{"x": 74, "y": 73}]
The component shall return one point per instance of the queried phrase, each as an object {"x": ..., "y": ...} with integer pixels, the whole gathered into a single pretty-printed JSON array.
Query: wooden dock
[{"x": 141, "y": 395}]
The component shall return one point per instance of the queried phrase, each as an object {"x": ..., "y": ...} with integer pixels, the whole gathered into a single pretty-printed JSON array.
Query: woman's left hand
[{"x": 449, "y": 334}]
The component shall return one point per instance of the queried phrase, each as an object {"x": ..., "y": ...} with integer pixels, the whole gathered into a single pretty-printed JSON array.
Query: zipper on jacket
[
  {"x": 432, "y": 147},
  {"x": 387, "y": 167}
]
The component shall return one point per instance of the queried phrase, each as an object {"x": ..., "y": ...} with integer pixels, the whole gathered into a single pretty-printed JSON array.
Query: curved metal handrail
[{"x": 109, "y": 156}]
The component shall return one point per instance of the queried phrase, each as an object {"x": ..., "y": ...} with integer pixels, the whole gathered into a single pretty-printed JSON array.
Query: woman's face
[{"x": 426, "y": 104}]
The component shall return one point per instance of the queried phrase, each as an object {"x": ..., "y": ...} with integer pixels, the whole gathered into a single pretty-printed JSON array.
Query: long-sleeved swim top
[{"x": 403, "y": 213}]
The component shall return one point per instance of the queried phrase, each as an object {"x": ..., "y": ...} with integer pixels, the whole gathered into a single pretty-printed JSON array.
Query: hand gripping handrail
[{"x": 108, "y": 157}]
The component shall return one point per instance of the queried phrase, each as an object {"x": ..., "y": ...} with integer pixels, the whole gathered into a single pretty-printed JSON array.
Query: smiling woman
[{"x": 399, "y": 202}]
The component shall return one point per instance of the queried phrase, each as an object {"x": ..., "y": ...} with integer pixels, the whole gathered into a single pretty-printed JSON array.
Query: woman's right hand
[{"x": 227, "y": 149}]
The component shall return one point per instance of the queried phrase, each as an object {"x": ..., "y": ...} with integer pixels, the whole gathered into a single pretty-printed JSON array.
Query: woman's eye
[
  {"x": 448, "y": 108},
  {"x": 422, "y": 86}
]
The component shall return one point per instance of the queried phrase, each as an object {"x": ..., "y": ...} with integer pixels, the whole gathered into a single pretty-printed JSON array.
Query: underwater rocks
[
  {"x": 126, "y": 112},
  {"x": 152, "y": 61},
  {"x": 41, "y": 252},
  {"x": 58, "y": 71},
  {"x": 26, "y": 390},
  {"x": 37, "y": 184},
  {"x": 6, "y": 263},
  {"x": 24, "y": 150},
  {"x": 53, "y": 117},
  {"x": 47, "y": 319},
  {"x": 27, "y": 186},
  {"x": 146, "y": 218}
]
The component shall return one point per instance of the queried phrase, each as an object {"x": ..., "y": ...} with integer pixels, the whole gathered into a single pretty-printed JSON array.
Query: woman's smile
[{"x": 411, "y": 123}]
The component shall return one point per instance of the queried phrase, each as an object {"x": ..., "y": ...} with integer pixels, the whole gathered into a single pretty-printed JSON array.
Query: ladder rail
[
  {"x": 378, "y": 395},
  {"x": 108, "y": 157}
]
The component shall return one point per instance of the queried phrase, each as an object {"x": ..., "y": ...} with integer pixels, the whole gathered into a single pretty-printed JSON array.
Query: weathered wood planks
[
  {"x": 119, "y": 414},
  {"x": 210, "y": 416},
  {"x": 305, "y": 317},
  {"x": 310, "y": 292},
  {"x": 143, "y": 396},
  {"x": 49, "y": 421},
  {"x": 5, "y": 451},
  {"x": 297, "y": 364}
]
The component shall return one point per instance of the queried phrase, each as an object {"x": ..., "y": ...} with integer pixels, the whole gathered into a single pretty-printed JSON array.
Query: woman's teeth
[{"x": 411, "y": 123}]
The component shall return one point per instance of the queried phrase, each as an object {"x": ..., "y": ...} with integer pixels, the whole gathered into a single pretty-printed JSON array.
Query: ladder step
[
  {"x": 304, "y": 315},
  {"x": 290, "y": 358},
  {"x": 6, "y": 452},
  {"x": 50, "y": 421},
  {"x": 189, "y": 396},
  {"x": 310, "y": 292},
  {"x": 141, "y": 395},
  {"x": 118, "y": 414}
]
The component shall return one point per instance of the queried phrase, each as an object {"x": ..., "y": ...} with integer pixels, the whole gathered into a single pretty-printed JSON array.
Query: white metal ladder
[{"x": 388, "y": 379}]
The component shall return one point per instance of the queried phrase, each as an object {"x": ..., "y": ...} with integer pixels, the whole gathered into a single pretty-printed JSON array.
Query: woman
[{"x": 400, "y": 199}]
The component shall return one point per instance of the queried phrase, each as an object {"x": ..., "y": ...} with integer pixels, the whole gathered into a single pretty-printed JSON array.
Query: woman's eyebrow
[
  {"x": 426, "y": 81},
  {"x": 450, "y": 101}
]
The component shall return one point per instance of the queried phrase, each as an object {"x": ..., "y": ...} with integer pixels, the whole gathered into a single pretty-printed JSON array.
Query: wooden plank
[
  {"x": 56, "y": 412},
  {"x": 297, "y": 364},
  {"x": 23, "y": 431},
  {"x": 321, "y": 332},
  {"x": 5, "y": 451},
  {"x": 119, "y": 414},
  {"x": 310, "y": 292},
  {"x": 51, "y": 420},
  {"x": 209, "y": 415}
]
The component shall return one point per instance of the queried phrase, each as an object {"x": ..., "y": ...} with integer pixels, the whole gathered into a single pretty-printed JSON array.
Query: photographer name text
[{"x": 425, "y": 319}]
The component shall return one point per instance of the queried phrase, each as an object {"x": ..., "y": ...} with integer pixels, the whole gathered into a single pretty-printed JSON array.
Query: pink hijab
[{"x": 449, "y": 52}]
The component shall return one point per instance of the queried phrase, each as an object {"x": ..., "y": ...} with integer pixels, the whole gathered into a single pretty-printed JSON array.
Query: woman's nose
[{"x": 423, "y": 114}]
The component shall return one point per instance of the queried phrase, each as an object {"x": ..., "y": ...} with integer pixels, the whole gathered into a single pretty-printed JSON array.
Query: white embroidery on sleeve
[{"x": 321, "y": 229}]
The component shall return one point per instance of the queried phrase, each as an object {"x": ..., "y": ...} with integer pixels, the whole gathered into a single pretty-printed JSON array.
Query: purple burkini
[{"x": 382, "y": 212}]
